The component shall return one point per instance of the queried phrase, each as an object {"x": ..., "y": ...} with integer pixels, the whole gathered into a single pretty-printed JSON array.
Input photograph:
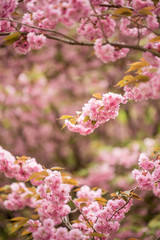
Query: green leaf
[
  {"x": 141, "y": 78},
  {"x": 93, "y": 122},
  {"x": 11, "y": 38}
]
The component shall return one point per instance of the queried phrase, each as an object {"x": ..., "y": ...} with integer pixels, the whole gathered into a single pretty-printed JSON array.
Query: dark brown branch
[
  {"x": 91, "y": 44},
  {"x": 120, "y": 208},
  {"x": 114, "y": 6},
  {"x": 83, "y": 215},
  {"x": 133, "y": 190},
  {"x": 99, "y": 20},
  {"x": 120, "y": 45}
]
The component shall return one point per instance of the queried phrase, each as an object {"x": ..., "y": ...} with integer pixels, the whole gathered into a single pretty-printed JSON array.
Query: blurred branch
[
  {"x": 99, "y": 20},
  {"x": 114, "y": 6},
  {"x": 131, "y": 20},
  {"x": 70, "y": 41},
  {"x": 38, "y": 28}
]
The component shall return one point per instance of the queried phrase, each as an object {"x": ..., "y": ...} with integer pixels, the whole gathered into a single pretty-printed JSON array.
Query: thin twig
[
  {"x": 83, "y": 215},
  {"x": 66, "y": 224},
  {"x": 114, "y": 6},
  {"x": 99, "y": 20},
  {"x": 38, "y": 28},
  {"x": 120, "y": 208},
  {"x": 91, "y": 44},
  {"x": 130, "y": 19}
]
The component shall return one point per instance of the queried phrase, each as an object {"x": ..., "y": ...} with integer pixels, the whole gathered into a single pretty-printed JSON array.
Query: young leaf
[
  {"x": 86, "y": 119},
  {"x": 34, "y": 217},
  {"x": 125, "y": 81},
  {"x": 73, "y": 120},
  {"x": 146, "y": 11},
  {"x": 156, "y": 39},
  {"x": 66, "y": 117},
  {"x": 114, "y": 195},
  {"x": 11, "y": 38},
  {"x": 57, "y": 168},
  {"x": 19, "y": 219},
  {"x": 141, "y": 78},
  {"x": 97, "y": 95},
  {"x": 5, "y": 188},
  {"x": 64, "y": 125},
  {"x": 123, "y": 11},
  {"x": 83, "y": 204},
  {"x": 101, "y": 108},
  {"x": 82, "y": 199},
  {"x": 95, "y": 234},
  {"x": 132, "y": 238},
  {"x": 101, "y": 199},
  {"x": 135, "y": 196},
  {"x": 38, "y": 174},
  {"x": 93, "y": 122},
  {"x": 25, "y": 232},
  {"x": 76, "y": 221},
  {"x": 137, "y": 65},
  {"x": 70, "y": 181}
]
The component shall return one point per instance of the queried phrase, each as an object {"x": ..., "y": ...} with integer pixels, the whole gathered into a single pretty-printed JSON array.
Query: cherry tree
[{"x": 66, "y": 208}]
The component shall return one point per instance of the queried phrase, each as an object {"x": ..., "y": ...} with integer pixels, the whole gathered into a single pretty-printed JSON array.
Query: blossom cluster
[
  {"x": 20, "y": 197},
  {"x": 99, "y": 111},
  {"x": 86, "y": 17},
  {"x": 151, "y": 88},
  {"x": 50, "y": 195},
  {"x": 148, "y": 177},
  {"x": 96, "y": 112},
  {"x": 108, "y": 53},
  {"x": 20, "y": 168}
]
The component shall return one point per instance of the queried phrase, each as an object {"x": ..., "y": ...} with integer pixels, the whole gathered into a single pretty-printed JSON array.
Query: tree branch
[
  {"x": 83, "y": 215},
  {"x": 99, "y": 20},
  {"x": 91, "y": 44},
  {"x": 38, "y": 28},
  {"x": 130, "y": 19},
  {"x": 114, "y": 6}
]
